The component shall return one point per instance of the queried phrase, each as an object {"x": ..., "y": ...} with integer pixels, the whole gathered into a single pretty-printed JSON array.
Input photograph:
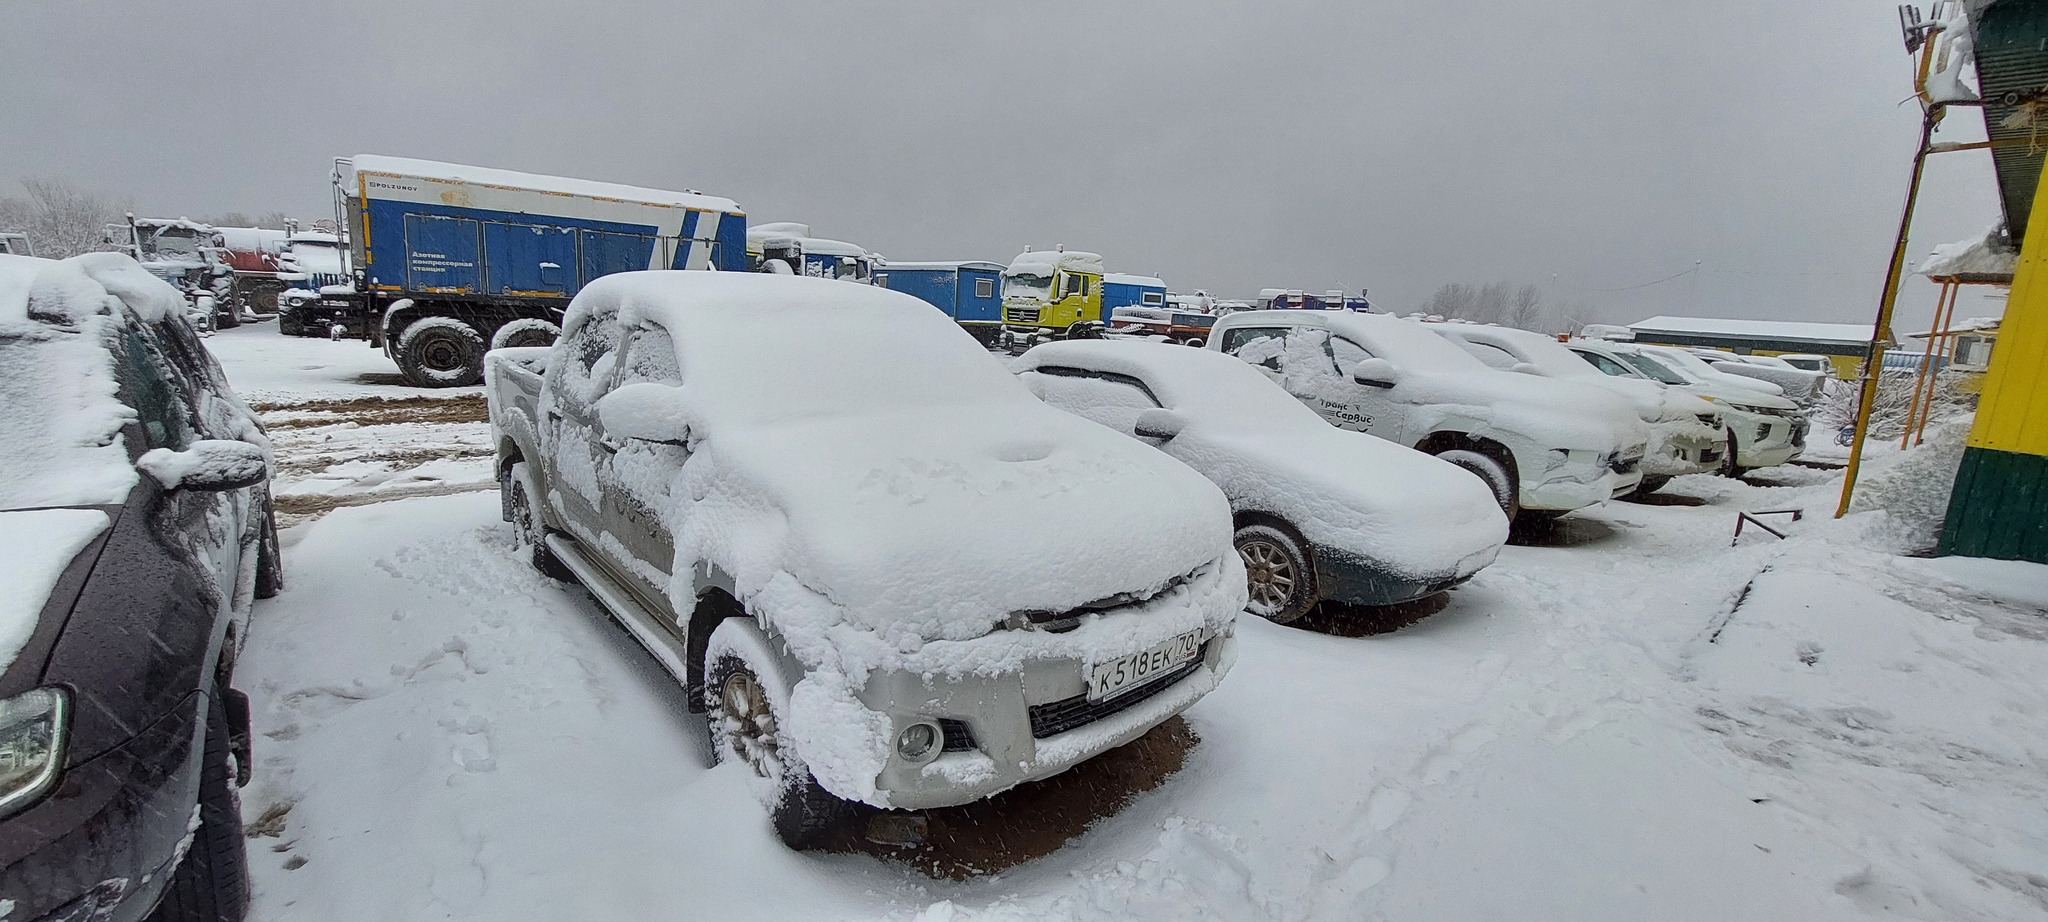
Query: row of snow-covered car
[{"x": 898, "y": 572}]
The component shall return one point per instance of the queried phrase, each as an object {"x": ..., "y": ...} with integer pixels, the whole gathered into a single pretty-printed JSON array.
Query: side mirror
[
  {"x": 1375, "y": 373},
  {"x": 645, "y": 412},
  {"x": 1156, "y": 423},
  {"x": 1524, "y": 368},
  {"x": 210, "y": 465}
]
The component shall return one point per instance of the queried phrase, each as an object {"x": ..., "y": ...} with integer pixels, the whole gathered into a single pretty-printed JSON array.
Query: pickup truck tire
[
  {"x": 1505, "y": 491},
  {"x": 527, "y": 528},
  {"x": 526, "y": 331},
  {"x": 746, "y": 698},
  {"x": 1279, "y": 574},
  {"x": 212, "y": 883},
  {"x": 440, "y": 352}
]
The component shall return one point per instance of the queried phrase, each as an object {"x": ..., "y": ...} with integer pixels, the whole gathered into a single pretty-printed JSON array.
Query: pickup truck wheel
[
  {"x": 526, "y": 331},
  {"x": 1278, "y": 573},
  {"x": 746, "y": 697},
  {"x": 212, "y": 883},
  {"x": 440, "y": 352},
  {"x": 526, "y": 526},
  {"x": 1505, "y": 491}
]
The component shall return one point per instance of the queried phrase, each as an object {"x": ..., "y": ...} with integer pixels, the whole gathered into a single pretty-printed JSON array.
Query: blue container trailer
[
  {"x": 450, "y": 260},
  {"x": 1119, "y": 290},
  {"x": 969, "y": 291}
]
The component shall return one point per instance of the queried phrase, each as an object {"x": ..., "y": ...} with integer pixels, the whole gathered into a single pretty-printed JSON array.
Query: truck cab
[
  {"x": 1052, "y": 294},
  {"x": 787, "y": 248}
]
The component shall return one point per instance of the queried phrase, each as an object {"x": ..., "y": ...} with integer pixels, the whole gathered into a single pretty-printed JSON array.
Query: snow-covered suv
[
  {"x": 1321, "y": 513},
  {"x": 1545, "y": 447},
  {"x": 892, "y": 576},
  {"x": 1686, "y": 434},
  {"x": 1763, "y": 429}
]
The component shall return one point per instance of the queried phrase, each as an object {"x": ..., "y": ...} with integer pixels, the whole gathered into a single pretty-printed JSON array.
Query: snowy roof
[
  {"x": 1142, "y": 281},
  {"x": 1045, "y": 262},
  {"x": 251, "y": 239},
  {"x": 775, "y": 234},
  {"x": 946, "y": 264},
  {"x": 173, "y": 223},
  {"x": 1987, "y": 257},
  {"x": 1785, "y": 330},
  {"x": 486, "y": 176}
]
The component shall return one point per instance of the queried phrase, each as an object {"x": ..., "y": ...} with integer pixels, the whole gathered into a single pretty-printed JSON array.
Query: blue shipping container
[
  {"x": 969, "y": 291},
  {"x": 1131, "y": 290}
]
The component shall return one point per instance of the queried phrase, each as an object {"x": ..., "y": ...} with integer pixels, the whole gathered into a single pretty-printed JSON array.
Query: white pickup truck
[
  {"x": 1686, "y": 435},
  {"x": 1545, "y": 447},
  {"x": 893, "y": 577}
]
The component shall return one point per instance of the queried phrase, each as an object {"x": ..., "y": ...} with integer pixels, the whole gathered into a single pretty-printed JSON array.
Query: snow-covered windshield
[
  {"x": 317, "y": 258},
  {"x": 177, "y": 241},
  {"x": 1657, "y": 371},
  {"x": 1028, "y": 286}
]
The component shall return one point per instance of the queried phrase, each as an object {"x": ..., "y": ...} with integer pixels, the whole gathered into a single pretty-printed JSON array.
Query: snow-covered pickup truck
[
  {"x": 1686, "y": 435},
  {"x": 1545, "y": 447},
  {"x": 893, "y": 577}
]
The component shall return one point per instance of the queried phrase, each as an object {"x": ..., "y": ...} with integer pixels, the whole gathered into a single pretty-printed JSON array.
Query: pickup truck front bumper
[{"x": 1004, "y": 730}]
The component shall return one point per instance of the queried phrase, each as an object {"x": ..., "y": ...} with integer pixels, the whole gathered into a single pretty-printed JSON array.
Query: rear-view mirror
[
  {"x": 210, "y": 465},
  {"x": 1375, "y": 373},
  {"x": 645, "y": 412},
  {"x": 1159, "y": 424}
]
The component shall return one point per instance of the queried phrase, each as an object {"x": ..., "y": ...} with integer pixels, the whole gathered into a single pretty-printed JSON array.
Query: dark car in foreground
[{"x": 135, "y": 528}]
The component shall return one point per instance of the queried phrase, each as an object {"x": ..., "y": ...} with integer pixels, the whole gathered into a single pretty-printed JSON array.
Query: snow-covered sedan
[
  {"x": 1321, "y": 513},
  {"x": 894, "y": 577},
  {"x": 1544, "y": 447},
  {"x": 135, "y": 529},
  {"x": 1686, "y": 434},
  {"x": 1762, "y": 430}
]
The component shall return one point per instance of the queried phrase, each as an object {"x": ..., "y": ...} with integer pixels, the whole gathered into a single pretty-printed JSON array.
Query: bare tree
[
  {"x": 1525, "y": 310},
  {"x": 1493, "y": 303},
  {"x": 273, "y": 220},
  {"x": 61, "y": 219},
  {"x": 1454, "y": 299}
]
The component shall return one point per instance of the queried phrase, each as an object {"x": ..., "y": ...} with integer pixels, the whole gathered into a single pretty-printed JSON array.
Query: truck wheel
[
  {"x": 440, "y": 352},
  {"x": 212, "y": 883},
  {"x": 746, "y": 697},
  {"x": 226, "y": 318},
  {"x": 526, "y": 525},
  {"x": 1278, "y": 573},
  {"x": 526, "y": 331},
  {"x": 1505, "y": 491},
  {"x": 289, "y": 325}
]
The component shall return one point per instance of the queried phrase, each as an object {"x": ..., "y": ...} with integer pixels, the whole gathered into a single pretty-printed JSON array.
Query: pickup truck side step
[{"x": 665, "y": 646}]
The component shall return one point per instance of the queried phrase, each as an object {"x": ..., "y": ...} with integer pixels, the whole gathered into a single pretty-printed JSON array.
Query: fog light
[{"x": 917, "y": 741}]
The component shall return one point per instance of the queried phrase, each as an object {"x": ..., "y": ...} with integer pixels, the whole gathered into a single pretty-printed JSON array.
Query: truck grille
[
  {"x": 1058, "y": 717},
  {"x": 1021, "y": 315}
]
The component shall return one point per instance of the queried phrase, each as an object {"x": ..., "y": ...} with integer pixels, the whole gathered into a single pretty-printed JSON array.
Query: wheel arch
[
  {"x": 713, "y": 606},
  {"x": 1443, "y": 441}
]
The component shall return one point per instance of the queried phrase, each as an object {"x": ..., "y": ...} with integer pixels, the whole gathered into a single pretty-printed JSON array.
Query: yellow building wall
[{"x": 2012, "y": 415}]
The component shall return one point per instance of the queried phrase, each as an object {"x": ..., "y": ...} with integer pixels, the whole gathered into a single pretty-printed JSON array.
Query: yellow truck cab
[{"x": 1052, "y": 294}]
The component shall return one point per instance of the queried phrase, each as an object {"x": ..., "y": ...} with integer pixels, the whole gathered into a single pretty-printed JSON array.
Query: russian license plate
[{"x": 1117, "y": 675}]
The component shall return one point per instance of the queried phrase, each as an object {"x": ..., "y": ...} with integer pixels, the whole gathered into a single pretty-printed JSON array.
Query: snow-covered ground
[{"x": 1623, "y": 718}]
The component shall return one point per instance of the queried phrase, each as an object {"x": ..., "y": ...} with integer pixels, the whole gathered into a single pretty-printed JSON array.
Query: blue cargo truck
[
  {"x": 969, "y": 291},
  {"x": 451, "y": 260}
]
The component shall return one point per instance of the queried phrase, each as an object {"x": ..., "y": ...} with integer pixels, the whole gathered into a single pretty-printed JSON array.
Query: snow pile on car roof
[
  {"x": 881, "y": 489},
  {"x": 1045, "y": 262}
]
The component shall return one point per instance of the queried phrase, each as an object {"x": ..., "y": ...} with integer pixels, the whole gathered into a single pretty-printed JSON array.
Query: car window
[
  {"x": 1494, "y": 356},
  {"x": 1347, "y": 353},
  {"x": 650, "y": 356},
  {"x": 1605, "y": 364},
  {"x": 590, "y": 357},
  {"x": 151, "y": 391},
  {"x": 1241, "y": 342},
  {"x": 1656, "y": 370},
  {"x": 1110, "y": 399}
]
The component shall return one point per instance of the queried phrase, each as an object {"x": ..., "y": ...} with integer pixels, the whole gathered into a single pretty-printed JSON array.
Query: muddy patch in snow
[
  {"x": 335, "y": 452},
  {"x": 373, "y": 411}
]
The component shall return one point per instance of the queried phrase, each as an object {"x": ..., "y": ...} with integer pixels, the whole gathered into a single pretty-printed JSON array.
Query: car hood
[
  {"x": 1417, "y": 516},
  {"x": 39, "y": 549},
  {"x": 939, "y": 522},
  {"x": 1557, "y": 414},
  {"x": 1741, "y": 395}
]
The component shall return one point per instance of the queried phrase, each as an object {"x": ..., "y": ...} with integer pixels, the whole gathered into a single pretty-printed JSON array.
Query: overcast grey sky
[{"x": 1583, "y": 147}]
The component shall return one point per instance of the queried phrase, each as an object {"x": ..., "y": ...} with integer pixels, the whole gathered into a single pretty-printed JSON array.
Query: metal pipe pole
[{"x": 1881, "y": 329}]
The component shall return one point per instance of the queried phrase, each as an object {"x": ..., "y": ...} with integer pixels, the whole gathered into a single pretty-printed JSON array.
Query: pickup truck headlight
[{"x": 32, "y": 726}]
